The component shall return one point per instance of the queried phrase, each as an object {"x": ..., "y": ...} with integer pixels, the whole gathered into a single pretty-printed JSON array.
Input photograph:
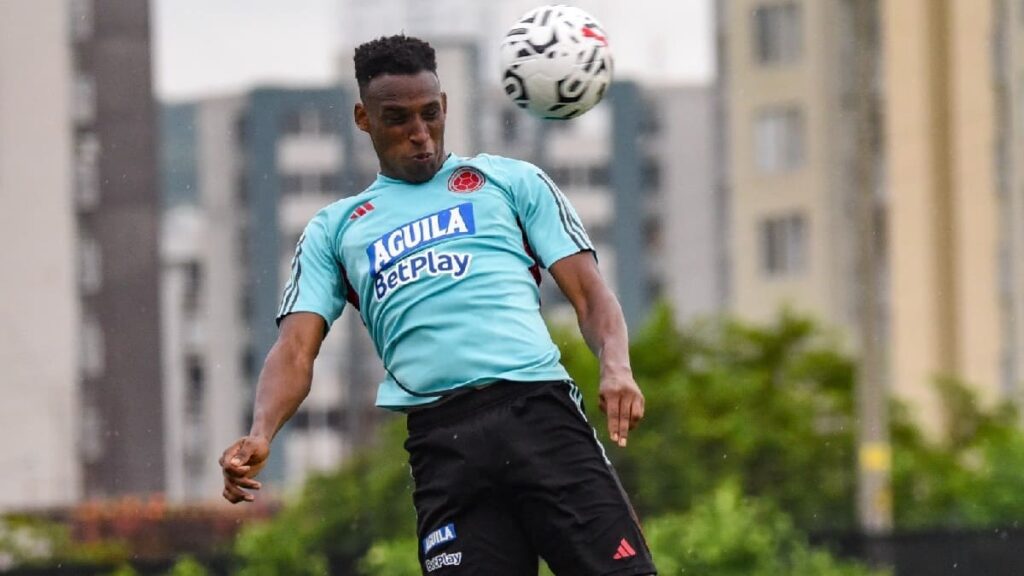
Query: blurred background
[{"x": 812, "y": 212}]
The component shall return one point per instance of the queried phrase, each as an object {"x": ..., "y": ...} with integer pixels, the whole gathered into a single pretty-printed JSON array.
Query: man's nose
[{"x": 418, "y": 133}]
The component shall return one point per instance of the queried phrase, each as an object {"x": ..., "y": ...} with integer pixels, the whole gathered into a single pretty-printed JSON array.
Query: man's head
[{"x": 402, "y": 107}]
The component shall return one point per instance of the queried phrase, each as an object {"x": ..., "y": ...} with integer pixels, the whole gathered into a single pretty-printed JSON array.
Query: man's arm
[
  {"x": 283, "y": 385},
  {"x": 604, "y": 329}
]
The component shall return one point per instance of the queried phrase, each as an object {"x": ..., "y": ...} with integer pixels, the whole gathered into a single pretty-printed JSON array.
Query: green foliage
[
  {"x": 29, "y": 540},
  {"x": 728, "y": 535},
  {"x": 26, "y": 540},
  {"x": 771, "y": 406},
  {"x": 337, "y": 515},
  {"x": 970, "y": 475},
  {"x": 187, "y": 566},
  {"x": 396, "y": 557}
]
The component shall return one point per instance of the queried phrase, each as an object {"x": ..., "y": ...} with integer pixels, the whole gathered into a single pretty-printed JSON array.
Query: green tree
[
  {"x": 188, "y": 566},
  {"x": 771, "y": 406},
  {"x": 395, "y": 557},
  {"x": 968, "y": 475},
  {"x": 726, "y": 534}
]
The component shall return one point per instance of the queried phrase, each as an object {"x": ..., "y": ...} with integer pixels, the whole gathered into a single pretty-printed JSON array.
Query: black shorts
[{"x": 514, "y": 471}]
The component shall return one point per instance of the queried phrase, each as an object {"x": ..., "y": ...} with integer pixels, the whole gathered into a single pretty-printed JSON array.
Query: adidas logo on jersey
[{"x": 450, "y": 223}]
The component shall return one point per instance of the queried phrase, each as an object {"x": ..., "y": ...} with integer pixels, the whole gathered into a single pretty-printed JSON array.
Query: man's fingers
[
  {"x": 625, "y": 405},
  {"x": 636, "y": 413},
  {"x": 234, "y": 494},
  {"x": 247, "y": 483},
  {"x": 611, "y": 403},
  {"x": 242, "y": 455},
  {"x": 233, "y": 471}
]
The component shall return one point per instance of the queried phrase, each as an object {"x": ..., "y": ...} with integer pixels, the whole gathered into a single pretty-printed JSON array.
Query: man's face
[{"x": 404, "y": 116}]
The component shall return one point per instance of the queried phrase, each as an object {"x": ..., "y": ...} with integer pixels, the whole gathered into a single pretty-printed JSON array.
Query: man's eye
[
  {"x": 394, "y": 118},
  {"x": 431, "y": 114}
]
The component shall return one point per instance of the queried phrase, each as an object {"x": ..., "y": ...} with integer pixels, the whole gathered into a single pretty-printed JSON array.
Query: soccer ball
[{"x": 555, "y": 62}]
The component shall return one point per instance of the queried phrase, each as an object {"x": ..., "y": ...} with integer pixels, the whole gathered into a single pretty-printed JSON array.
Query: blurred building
[
  {"x": 950, "y": 286},
  {"x": 39, "y": 299},
  {"x": 79, "y": 172},
  {"x": 242, "y": 177}
]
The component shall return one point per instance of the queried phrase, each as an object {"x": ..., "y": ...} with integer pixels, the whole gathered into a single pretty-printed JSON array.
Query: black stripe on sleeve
[
  {"x": 572, "y": 228},
  {"x": 298, "y": 275},
  {"x": 291, "y": 293}
]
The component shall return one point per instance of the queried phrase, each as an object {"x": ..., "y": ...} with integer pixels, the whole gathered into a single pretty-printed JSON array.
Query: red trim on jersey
[
  {"x": 535, "y": 269},
  {"x": 350, "y": 292}
]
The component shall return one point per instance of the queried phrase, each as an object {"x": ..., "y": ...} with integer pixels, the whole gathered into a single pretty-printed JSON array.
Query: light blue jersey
[{"x": 444, "y": 274}]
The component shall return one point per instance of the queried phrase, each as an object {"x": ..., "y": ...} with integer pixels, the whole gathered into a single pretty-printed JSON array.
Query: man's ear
[
  {"x": 444, "y": 102},
  {"x": 361, "y": 117}
]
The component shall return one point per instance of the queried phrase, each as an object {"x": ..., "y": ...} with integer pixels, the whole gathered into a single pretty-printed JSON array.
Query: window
[
  {"x": 777, "y": 33},
  {"x": 84, "y": 101},
  {"x": 330, "y": 183},
  {"x": 310, "y": 183},
  {"x": 193, "y": 286},
  {"x": 92, "y": 347},
  {"x": 291, "y": 184},
  {"x": 310, "y": 121},
  {"x": 509, "y": 125},
  {"x": 784, "y": 245},
  {"x": 81, "y": 14},
  {"x": 90, "y": 264},
  {"x": 195, "y": 386},
  {"x": 651, "y": 175},
  {"x": 779, "y": 138},
  {"x": 87, "y": 171},
  {"x": 250, "y": 370}
]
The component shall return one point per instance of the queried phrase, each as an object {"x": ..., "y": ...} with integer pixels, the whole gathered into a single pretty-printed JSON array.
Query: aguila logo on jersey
[
  {"x": 465, "y": 180},
  {"x": 442, "y": 535},
  {"x": 391, "y": 247}
]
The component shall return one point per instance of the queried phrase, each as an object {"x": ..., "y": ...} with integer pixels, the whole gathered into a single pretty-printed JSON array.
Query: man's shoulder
[
  {"x": 507, "y": 173},
  {"x": 503, "y": 163},
  {"x": 333, "y": 217}
]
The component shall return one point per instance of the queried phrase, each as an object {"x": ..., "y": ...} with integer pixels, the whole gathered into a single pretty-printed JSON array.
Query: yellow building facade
[{"x": 949, "y": 97}]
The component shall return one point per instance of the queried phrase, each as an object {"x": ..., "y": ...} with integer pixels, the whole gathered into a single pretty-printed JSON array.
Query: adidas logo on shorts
[{"x": 624, "y": 551}]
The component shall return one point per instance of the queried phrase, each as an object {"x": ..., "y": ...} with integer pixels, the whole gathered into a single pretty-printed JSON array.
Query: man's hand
[
  {"x": 623, "y": 402},
  {"x": 241, "y": 462}
]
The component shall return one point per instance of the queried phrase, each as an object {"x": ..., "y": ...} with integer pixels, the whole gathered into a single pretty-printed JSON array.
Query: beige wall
[
  {"x": 940, "y": 183},
  {"x": 38, "y": 295},
  {"x": 1014, "y": 228},
  {"x": 943, "y": 217},
  {"x": 974, "y": 195},
  {"x": 808, "y": 85}
]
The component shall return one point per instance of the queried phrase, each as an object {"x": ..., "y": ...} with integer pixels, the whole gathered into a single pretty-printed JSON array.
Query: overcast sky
[{"x": 207, "y": 47}]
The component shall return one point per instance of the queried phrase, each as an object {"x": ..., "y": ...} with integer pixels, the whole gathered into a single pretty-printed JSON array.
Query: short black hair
[{"x": 399, "y": 54}]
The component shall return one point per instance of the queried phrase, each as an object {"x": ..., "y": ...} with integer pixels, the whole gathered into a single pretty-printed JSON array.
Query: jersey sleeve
[
  {"x": 552, "y": 227},
  {"x": 315, "y": 284}
]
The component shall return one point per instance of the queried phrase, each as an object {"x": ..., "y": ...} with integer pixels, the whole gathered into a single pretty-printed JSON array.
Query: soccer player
[{"x": 440, "y": 257}]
